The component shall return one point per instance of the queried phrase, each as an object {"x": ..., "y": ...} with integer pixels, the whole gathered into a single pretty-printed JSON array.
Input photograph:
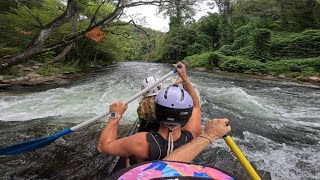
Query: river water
[{"x": 276, "y": 125}]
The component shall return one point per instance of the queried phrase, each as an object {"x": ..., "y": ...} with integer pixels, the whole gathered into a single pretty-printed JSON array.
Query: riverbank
[
  {"x": 281, "y": 78},
  {"x": 32, "y": 81},
  {"x": 292, "y": 70}
]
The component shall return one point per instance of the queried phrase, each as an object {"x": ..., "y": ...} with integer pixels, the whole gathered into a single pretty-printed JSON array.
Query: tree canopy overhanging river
[{"x": 276, "y": 125}]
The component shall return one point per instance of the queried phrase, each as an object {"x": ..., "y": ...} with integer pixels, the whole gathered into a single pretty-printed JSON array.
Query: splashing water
[{"x": 276, "y": 125}]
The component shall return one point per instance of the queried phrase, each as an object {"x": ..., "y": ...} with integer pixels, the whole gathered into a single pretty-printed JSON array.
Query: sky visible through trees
[{"x": 150, "y": 18}]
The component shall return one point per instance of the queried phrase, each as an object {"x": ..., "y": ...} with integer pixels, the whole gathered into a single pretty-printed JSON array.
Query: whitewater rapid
[{"x": 276, "y": 125}]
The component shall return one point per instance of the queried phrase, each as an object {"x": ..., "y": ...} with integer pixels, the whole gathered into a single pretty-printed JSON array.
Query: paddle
[
  {"x": 243, "y": 160},
  {"x": 39, "y": 143}
]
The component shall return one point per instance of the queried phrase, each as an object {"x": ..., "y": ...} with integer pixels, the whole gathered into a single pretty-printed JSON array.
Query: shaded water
[{"x": 276, "y": 125}]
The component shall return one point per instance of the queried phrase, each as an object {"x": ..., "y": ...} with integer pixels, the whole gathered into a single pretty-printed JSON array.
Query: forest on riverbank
[
  {"x": 274, "y": 37},
  {"x": 262, "y": 37}
]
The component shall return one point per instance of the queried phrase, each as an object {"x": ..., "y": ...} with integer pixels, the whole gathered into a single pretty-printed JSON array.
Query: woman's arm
[
  {"x": 213, "y": 130},
  {"x": 110, "y": 131},
  {"x": 194, "y": 123},
  {"x": 189, "y": 151},
  {"x": 135, "y": 145}
]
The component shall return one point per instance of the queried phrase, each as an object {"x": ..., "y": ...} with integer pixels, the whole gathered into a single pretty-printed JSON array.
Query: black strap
[{"x": 158, "y": 145}]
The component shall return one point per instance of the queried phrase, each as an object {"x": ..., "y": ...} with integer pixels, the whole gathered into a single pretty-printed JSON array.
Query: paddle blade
[{"x": 32, "y": 145}]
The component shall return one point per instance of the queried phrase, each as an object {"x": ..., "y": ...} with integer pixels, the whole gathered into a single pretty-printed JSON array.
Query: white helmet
[{"x": 147, "y": 82}]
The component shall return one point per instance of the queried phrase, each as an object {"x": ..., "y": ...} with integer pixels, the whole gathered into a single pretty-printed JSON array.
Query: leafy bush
[
  {"x": 305, "y": 66},
  {"x": 197, "y": 60},
  {"x": 244, "y": 31},
  {"x": 216, "y": 58},
  {"x": 291, "y": 68},
  {"x": 45, "y": 57},
  {"x": 234, "y": 65},
  {"x": 7, "y": 50},
  {"x": 261, "y": 44},
  {"x": 297, "y": 45},
  {"x": 208, "y": 60},
  {"x": 238, "y": 64},
  {"x": 48, "y": 69},
  {"x": 250, "y": 42},
  {"x": 227, "y": 50},
  {"x": 243, "y": 38}
]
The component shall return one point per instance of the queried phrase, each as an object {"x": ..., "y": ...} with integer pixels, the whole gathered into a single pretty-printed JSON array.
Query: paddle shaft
[
  {"x": 85, "y": 123},
  {"x": 243, "y": 160}
]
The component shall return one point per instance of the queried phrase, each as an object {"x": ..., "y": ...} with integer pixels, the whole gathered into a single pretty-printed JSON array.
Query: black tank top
[{"x": 158, "y": 145}]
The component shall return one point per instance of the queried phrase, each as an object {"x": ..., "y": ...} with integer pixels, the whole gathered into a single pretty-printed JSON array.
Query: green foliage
[
  {"x": 198, "y": 43},
  {"x": 225, "y": 27},
  {"x": 253, "y": 36},
  {"x": 196, "y": 60},
  {"x": 209, "y": 25},
  {"x": 48, "y": 69},
  {"x": 244, "y": 31},
  {"x": 295, "y": 65},
  {"x": 242, "y": 65},
  {"x": 227, "y": 50},
  {"x": 19, "y": 27},
  {"x": 297, "y": 15},
  {"x": 175, "y": 43},
  {"x": 87, "y": 52},
  {"x": 248, "y": 36},
  {"x": 226, "y": 63},
  {"x": 297, "y": 45},
  {"x": 261, "y": 44},
  {"x": 181, "y": 42},
  {"x": 145, "y": 46},
  {"x": 225, "y": 32},
  {"x": 179, "y": 12},
  {"x": 5, "y": 6},
  {"x": 249, "y": 42},
  {"x": 262, "y": 13},
  {"x": 7, "y": 50},
  {"x": 88, "y": 8},
  {"x": 208, "y": 60},
  {"x": 45, "y": 57},
  {"x": 242, "y": 44}
]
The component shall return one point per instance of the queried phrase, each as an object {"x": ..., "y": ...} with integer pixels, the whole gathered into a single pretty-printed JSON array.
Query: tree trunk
[
  {"x": 68, "y": 48},
  {"x": 37, "y": 44}
]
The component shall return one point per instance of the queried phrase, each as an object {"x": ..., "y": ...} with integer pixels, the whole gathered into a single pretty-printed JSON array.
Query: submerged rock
[
  {"x": 314, "y": 78},
  {"x": 282, "y": 76}
]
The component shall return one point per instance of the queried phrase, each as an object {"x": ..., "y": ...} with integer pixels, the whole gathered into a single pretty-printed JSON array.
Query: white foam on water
[
  {"x": 92, "y": 98},
  {"x": 277, "y": 113},
  {"x": 237, "y": 99},
  {"x": 294, "y": 117},
  {"x": 294, "y": 108},
  {"x": 281, "y": 160},
  {"x": 300, "y": 113},
  {"x": 274, "y": 89}
]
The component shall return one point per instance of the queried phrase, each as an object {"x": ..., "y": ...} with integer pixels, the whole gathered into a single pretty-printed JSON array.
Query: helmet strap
[{"x": 170, "y": 138}]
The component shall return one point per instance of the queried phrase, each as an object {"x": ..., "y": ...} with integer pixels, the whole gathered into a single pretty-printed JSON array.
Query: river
[{"x": 275, "y": 124}]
